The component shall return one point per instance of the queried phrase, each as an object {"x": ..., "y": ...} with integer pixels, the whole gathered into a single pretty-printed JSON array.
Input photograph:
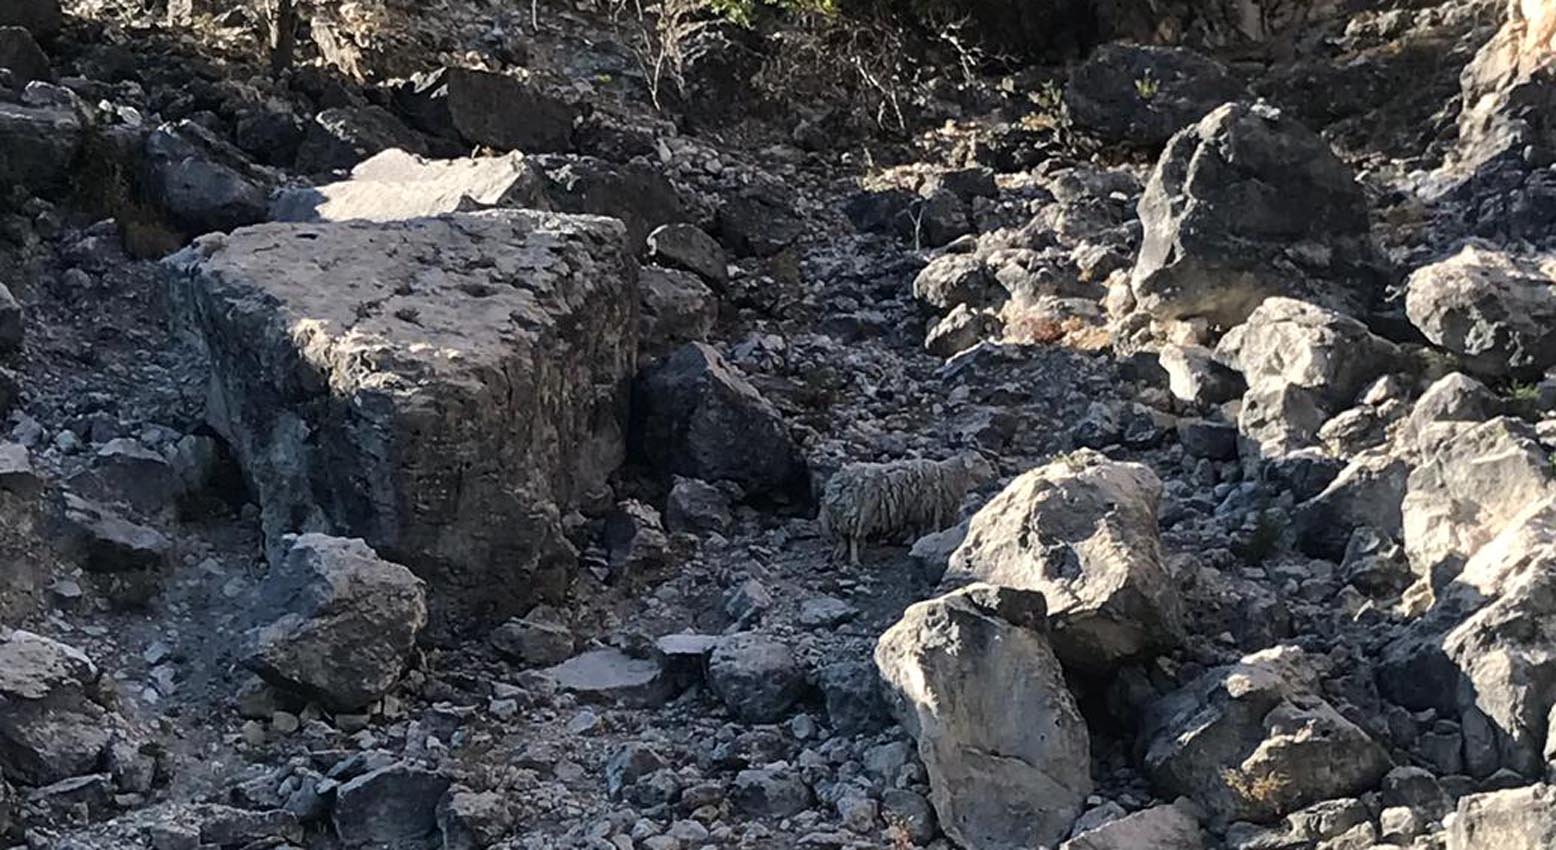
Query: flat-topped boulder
[
  {"x": 396, "y": 185},
  {"x": 442, "y": 388}
]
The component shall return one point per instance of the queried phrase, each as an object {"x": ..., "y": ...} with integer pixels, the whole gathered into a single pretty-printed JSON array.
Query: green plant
[{"x": 1147, "y": 85}]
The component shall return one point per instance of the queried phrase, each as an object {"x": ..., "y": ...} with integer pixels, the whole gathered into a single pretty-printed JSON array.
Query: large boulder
[
  {"x": 1247, "y": 204},
  {"x": 395, "y": 185},
  {"x": 484, "y": 108},
  {"x": 1472, "y": 480},
  {"x": 42, "y": 17},
  {"x": 202, "y": 182},
  {"x": 757, "y": 677},
  {"x": 20, "y": 53},
  {"x": 1142, "y": 95},
  {"x": 1290, "y": 343},
  {"x": 1255, "y": 740},
  {"x": 1366, "y": 494},
  {"x": 392, "y": 807},
  {"x": 1082, "y": 531},
  {"x": 53, "y": 724},
  {"x": 340, "y": 137},
  {"x": 1509, "y": 90},
  {"x": 971, "y": 677},
  {"x": 637, "y": 193},
  {"x": 440, "y": 388},
  {"x": 1156, "y": 828},
  {"x": 696, "y": 415},
  {"x": 38, "y": 144},
  {"x": 1514, "y": 819},
  {"x": 1496, "y": 309},
  {"x": 338, "y": 622}
]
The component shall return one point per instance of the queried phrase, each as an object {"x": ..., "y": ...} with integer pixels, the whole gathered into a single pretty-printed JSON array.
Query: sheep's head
[{"x": 979, "y": 470}]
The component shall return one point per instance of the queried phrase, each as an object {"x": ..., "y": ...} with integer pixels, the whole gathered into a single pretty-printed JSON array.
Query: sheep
[{"x": 893, "y": 500}]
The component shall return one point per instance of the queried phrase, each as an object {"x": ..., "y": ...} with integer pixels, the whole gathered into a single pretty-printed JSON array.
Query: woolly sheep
[{"x": 893, "y": 500}]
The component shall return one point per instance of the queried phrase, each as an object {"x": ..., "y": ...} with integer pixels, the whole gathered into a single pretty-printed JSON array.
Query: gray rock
[
  {"x": 960, "y": 330},
  {"x": 770, "y": 793},
  {"x": 1515, "y": 819},
  {"x": 612, "y": 677},
  {"x": 1366, "y": 494},
  {"x": 685, "y": 246},
  {"x": 1507, "y": 92},
  {"x": 540, "y": 639},
  {"x": 337, "y": 622},
  {"x": 757, "y": 678},
  {"x": 53, "y": 724},
  {"x": 340, "y": 137},
  {"x": 469, "y": 820},
  {"x": 699, "y": 417},
  {"x": 366, "y": 425},
  {"x": 1289, "y": 343},
  {"x": 851, "y": 691},
  {"x": 1157, "y": 828},
  {"x": 1255, "y": 740},
  {"x": 124, "y": 470},
  {"x": 204, "y": 183},
  {"x": 1247, "y": 204},
  {"x": 1142, "y": 95},
  {"x": 698, "y": 507},
  {"x": 11, "y": 328},
  {"x": 391, "y": 807},
  {"x": 1007, "y": 771},
  {"x": 911, "y": 813},
  {"x": 394, "y": 185},
  {"x": 20, "y": 52},
  {"x": 636, "y": 193},
  {"x": 109, "y": 543},
  {"x": 42, "y": 17},
  {"x": 1207, "y": 439},
  {"x": 484, "y": 108},
  {"x": 956, "y": 279},
  {"x": 1277, "y": 419},
  {"x": 225, "y": 826},
  {"x": 1494, "y": 308},
  {"x": 678, "y": 308},
  {"x": 758, "y": 223},
  {"x": 39, "y": 143},
  {"x": 1083, "y": 532},
  {"x": 1194, "y": 375}
]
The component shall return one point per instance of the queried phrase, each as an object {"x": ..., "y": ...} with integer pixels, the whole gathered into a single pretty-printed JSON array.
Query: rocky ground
[{"x": 438, "y": 446}]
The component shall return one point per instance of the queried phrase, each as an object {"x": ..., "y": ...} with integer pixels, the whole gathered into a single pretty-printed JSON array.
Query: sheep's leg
[{"x": 853, "y": 551}]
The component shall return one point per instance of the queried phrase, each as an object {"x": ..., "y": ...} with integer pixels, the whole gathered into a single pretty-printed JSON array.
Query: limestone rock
[
  {"x": 973, "y": 680},
  {"x": 1471, "y": 482},
  {"x": 1289, "y": 343},
  {"x": 1496, "y": 309},
  {"x": 394, "y": 185},
  {"x": 1515, "y": 819},
  {"x": 52, "y": 723},
  {"x": 1247, "y": 204},
  {"x": 1082, "y": 531},
  {"x": 1158, "y": 828},
  {"x": 1255, "y": 740},
  {"x": 440, "y": 387},
  {"x": 338, "y": 623}
]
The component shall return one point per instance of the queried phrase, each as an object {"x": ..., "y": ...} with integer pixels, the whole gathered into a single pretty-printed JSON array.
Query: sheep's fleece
[{"x": 896, "y": 500}]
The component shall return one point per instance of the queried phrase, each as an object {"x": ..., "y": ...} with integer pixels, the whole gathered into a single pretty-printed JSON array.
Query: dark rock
[
  {"x": 698, "y": 507},
  {"x": 613, "y": 677},
  {"x": 339, "y": 138},
  {"x": 685, "y": 246},
  {"x": 111, "y": 544},
  {"x": 757, "y": 677},
  {"x": 52, "y": 725},
  {"x": 21, "y": 54},
  {"x": 202, "y": 182},
  {"x": 1247, "y": 204},
  {"x": 1141, "y": 95},
  {"x": 540, "y": 639},
  {"x": 677, "y": 308},
  {"x": 758, "y": 224},
  {"x": 770, "y": 793},
  {"x": 636, "y": 193},
  {"x": 468, "y": 820},
  {"x": 394, "y": 806},
  {"x": 338, "y": 622},
  {"x": 1207, "y": 439},
  {"x": 484, "y": 108},
  {"x": 42, "y": 17},
  {"x": 38, "y": 144},
  {"x": 698, "y": 416},
  {"x": 852, "y": 692}
]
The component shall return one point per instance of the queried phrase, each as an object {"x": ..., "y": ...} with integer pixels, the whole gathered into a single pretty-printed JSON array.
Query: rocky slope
[{"x": 439, "y": 446}]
